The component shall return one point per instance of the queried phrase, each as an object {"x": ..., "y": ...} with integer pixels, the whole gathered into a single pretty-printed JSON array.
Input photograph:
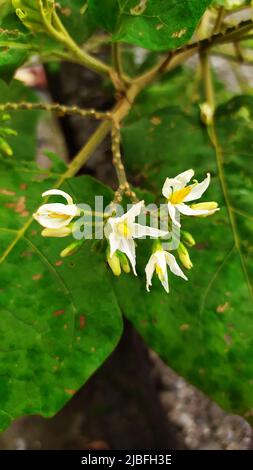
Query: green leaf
[
  {"x": 54, "y": 332},
  {"x": 151, "y": 24},
  {"x": 77, "y": 19},
  {"x": 13, "y": 53},
  {"x": 23, "y": 122},
  {"x": 203, "y": 328}
]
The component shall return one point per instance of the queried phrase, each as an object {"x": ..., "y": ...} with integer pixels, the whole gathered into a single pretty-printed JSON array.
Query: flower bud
[
  {"x": 57, "y": 232},
  {"x": 5, "y": 148},
  {"x": 188, "y": 238},
  {"x": 8, "y": 131},
  {"x": 71, "y": 249},
  {"x": 5, "y": 117},
  {"x": 184, "y": 256},
  {"x": 211, "y": 207},
  {"x": 206, "y": 112},
  {"x": 114, "y": 263},
  {"x": 124, "y": 262}
]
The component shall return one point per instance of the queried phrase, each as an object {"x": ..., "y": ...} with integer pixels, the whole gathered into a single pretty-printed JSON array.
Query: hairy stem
[
  {"x": 124, "y": 187},
  {"x": 56, "y": 108},
  {"x": 117, "y": 160}
]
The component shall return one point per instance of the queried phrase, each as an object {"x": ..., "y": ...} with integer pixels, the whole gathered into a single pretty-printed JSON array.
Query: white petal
[
  {"x": 167, "y": 187},
  {"x": 165, "y": 282},
  {"x": 186, "y": 210},
  {"x": 45, "y": 215},
  {"x": 161, "y": 261},
  {"x": 172, "y": 213},
  {"x": 175, "y": 269},
  {"x": 114, "y": 241},
  {"x": 198, "y": 189},
  {"x": 177, "y": 183},
  {"x": 58, "y": 192},
  {"x": 127, "y": 246},
  {"x": 149, "y": 270},
  {"x": 49, "y": 222},
  {"x": 133, "y": 212},
  {"x": 139, "y": 231},
  {"x": 58, "y": 208},
  {"x": 109, "y": 227},
  {"x": 185, "y": 177}
]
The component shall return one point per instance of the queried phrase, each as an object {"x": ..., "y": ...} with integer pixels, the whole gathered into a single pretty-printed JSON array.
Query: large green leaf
[
  {"x": 203, "y": 328},
  {"x": 156, "y": 25},
  {"x": 24, "y": 123},
  {"x": 77, "y": 19},
  {"x": 54, "y": 331}
]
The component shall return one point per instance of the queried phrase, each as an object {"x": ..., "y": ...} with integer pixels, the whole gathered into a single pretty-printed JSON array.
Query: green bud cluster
[
  {"x": 33, "y": 12},
  {"x": 117, "y": 262}
]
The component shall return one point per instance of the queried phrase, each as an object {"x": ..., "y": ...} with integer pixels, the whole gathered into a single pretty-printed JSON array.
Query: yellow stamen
[
  {"x": 57, "y": 215},
  {"x": 124, "y": 230},
  {"x": 159, "y": 272},
  {"x": 178, "y": 196}
]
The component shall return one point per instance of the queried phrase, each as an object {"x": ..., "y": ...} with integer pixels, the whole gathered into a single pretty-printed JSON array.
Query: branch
[
  {"x": 231, "y": 34},
  {"x": 56, "y": 108},
  {"x": 124, "y": 187},
  {"x": 116, "y": 58},
  {"x": 219, "y": 19}
]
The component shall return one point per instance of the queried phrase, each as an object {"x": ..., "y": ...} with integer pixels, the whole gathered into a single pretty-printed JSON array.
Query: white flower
[
  {"x": 177, "y": 193},
  {"x": 56, "y": 215},
  {"x": 158, "y": 262},
  {"x": 121, "y": 232}
]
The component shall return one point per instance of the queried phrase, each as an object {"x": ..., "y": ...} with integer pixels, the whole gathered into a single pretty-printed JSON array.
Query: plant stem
[
  {"x": 208, "y": 84},
  {"x": 124, "y": 186},
  {"x": 207, "y": 79},
  {"x": 80, "y": 159},
  {"x": 62, "y": 36},
  {"x": 117, "y": 160},
  {"x": 116, "y": 58},
  {"x": 56, "y": 108},
  {"x": 219, "y": 19}
]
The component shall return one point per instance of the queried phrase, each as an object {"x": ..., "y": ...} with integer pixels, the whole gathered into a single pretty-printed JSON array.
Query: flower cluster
[{"x": 121, "y": 232}]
